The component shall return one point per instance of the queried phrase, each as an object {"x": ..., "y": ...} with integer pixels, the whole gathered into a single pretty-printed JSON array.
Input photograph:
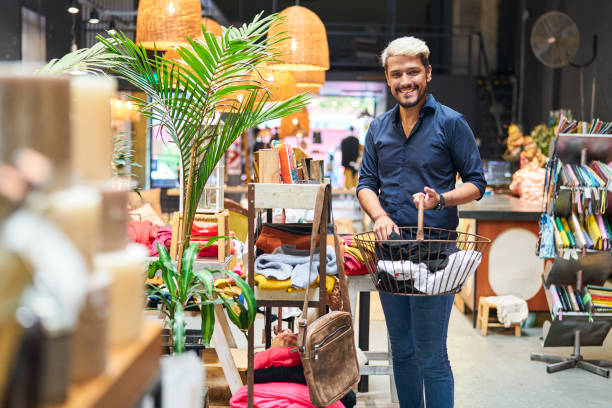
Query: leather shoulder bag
[{"x": 327, "y": 345}]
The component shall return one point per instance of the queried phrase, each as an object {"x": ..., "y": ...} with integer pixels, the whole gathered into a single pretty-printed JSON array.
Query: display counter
[{"x": 509, "y": 265}]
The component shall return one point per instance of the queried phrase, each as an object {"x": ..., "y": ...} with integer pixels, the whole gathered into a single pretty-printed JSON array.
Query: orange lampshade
[
  {"x": 310, "y": 89},
  {"x": 306, "y": 47},
  {"x": 309, "y": 79},
  {"x": 163, "y": 23},
  {"x": 296, "y": 123},
  {"x": 212, "y": 26},
  {"x": 281, "y": 84}
]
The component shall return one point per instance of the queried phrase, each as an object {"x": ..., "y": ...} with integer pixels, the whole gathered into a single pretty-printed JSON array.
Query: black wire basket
[{"x": 421, "y": 261}]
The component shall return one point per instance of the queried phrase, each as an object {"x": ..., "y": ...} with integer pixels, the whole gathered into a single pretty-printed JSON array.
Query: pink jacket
[{"x": 276, "y": 395}]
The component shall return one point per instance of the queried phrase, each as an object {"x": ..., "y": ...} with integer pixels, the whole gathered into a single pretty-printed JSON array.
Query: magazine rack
[{"x": 576, "y": 328}]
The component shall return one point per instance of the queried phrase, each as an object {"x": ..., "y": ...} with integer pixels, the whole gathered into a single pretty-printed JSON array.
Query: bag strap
[{"x": 323, "y": 203}]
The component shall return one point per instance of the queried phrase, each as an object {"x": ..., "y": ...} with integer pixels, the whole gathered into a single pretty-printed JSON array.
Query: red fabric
[
  {"x": 204, "y": 229},
  {"x": 277, "y": 357},
  {"x": 142, "y": 232},
  {"x": 348, "y": 240},
  {"x": 276, "y": 395},
  {"x": 352, "y": 266},
  {"x": 213, "y": 250},
  {"x": 164, "y": 236}
]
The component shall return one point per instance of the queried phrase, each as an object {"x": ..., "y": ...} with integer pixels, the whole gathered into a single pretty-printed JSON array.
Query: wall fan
[{"x": 555, "y": 39}]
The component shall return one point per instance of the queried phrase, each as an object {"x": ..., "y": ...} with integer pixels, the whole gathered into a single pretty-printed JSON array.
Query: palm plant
[{"x": 185, "y": 99}]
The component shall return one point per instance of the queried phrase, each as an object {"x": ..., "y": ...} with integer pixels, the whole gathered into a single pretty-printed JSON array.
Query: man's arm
[
  {"x": 383, "y": 225},
  {"x": 367, "y": 190},
  {"x": 465, "y": 193}
]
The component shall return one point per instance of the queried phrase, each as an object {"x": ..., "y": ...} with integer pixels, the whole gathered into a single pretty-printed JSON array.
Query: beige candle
[
  {"x": 126, "y": 307},
  {"x": 34, "y": 113},
  {"x": 78, "y": 212},
  {"x": 90, "y": 115},
  {"x": 113, "y": 231}
]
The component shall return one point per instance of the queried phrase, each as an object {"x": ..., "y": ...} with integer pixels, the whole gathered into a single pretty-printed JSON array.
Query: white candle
[
  {"x": 126, "y": 307},
  {"x": 78, "y": 212},
  {"x": 90, "y": 116}
]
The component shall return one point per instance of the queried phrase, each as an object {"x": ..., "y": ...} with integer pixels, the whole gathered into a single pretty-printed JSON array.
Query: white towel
[{"x": 510, "y": 309}]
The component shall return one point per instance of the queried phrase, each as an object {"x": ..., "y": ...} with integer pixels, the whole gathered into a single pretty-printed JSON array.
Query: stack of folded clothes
[
  {"x": 284, "y": 258},
  {"x": 354, "y": 264}
]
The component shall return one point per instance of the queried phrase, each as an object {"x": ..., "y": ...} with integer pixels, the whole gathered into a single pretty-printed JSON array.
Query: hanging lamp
[
  {"x": 309, "y": 79},
  {"x": 280, "y": 84},
  {"x": 310, "y": 89},
  {"x": 163, "y": 23},
  {"x": 305, "y": 48},
  {"x": 294, "y": 124},
  {"x": 212, "y": 26}
]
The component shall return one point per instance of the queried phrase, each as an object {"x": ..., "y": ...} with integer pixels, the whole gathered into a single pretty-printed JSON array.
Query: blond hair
[{"x": 410, "y": 46}]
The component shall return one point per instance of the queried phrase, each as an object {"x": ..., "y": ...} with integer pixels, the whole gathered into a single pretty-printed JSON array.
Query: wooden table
[
  {"x": 512, "y": 226},
  {"x": 130, "y": 371}
]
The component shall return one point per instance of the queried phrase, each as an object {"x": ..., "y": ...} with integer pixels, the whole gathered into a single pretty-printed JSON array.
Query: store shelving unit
[
  {"x": 574, "y": 328},
  {"x": 263, "y": 197},
  {"x": 571, "y": 328}
]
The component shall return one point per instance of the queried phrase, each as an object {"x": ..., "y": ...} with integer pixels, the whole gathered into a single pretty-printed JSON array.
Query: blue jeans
[{"x": 417, "y": 328}]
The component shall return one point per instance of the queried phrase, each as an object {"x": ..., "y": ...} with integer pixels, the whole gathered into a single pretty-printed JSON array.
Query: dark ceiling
[{"x": 413, "y": 12}]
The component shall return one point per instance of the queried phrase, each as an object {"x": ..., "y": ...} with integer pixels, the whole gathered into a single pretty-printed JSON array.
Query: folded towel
[
  {"x": 290, "y": 263},
  {"x": 510, "y": 309}
]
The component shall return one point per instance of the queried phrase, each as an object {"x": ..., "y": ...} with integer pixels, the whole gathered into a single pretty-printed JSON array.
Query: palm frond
[{"x": 94, "y": 60}]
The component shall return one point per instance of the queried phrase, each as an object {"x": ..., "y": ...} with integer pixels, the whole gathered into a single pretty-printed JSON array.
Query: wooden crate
[{"x": 221, "y": 218}]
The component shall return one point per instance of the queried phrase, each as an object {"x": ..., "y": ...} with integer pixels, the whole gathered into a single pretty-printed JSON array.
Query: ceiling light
[
  {"x": 73, "y": 7},
  {"x": 111, "y": 28},
  {"x": 308, "y": 49},
  {"x": 94, "y": 18},
  {"x": 162, "y": 24}
]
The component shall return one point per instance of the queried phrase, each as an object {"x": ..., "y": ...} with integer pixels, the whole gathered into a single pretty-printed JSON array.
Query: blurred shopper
[{"x": 350, "y": 149}]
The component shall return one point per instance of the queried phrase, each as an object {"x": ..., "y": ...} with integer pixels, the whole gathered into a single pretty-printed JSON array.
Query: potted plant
[
  {"x": 195, "y": 289},
  {"x": 185, "y": 99}
]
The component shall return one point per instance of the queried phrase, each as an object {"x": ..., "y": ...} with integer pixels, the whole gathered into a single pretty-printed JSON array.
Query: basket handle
[{"x": 420, "y": 236}]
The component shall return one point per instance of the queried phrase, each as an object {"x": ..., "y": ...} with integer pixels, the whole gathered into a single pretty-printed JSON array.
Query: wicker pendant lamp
[
  {"x": 310, "y": 89},
  {"x": 306, "y": 47},
  {"x": 212, "y": 26},
  {"x": 281, "y": 84},
  {"x": 164, "y": 23},
  {"x": 309, "y": 79},
  {"x": 297, "y": 123}
]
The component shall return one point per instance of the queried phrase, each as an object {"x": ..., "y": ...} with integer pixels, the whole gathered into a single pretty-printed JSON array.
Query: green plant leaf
[
  {"x": 247, "y": 295},
  {"x": 168, "y": 269},
  {"x": 187, "y": 275},
  {"x": 206, "y": 277},
  {"x": 178, "y": 329},
  {"x": 208, "y": 323}
]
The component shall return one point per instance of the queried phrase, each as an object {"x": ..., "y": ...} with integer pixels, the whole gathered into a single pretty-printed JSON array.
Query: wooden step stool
[{"x": 483, "y": 321}]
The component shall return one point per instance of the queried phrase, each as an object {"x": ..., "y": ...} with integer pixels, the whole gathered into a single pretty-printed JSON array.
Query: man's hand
[
  {"x": 431, "y": 198},
  {"x": 383, "y": 227}
]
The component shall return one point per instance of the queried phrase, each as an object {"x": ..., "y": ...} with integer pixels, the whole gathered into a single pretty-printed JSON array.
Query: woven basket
[
  {"x": 309, "y": 79},
  {"x": 306, "y": 48},
  {"x": 161, "y": 24}
]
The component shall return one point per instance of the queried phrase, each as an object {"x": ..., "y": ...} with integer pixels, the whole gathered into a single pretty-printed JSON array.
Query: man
[
  {"x": 350, "y": 154},
  {"x": 412, "y": 151}
]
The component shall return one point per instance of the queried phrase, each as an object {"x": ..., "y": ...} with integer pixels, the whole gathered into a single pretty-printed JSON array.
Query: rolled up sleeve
[
  {"x": 466, "y": 157},
  {"x": 368, "y": 173}
]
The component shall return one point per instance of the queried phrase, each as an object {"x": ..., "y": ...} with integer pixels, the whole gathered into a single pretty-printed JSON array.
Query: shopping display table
[
  {"x": 509, "y": 265},
  {"x": 131, "y": 370}
]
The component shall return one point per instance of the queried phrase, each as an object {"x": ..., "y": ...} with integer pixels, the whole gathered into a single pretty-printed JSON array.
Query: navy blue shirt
[{"x": 440, "y": 145}]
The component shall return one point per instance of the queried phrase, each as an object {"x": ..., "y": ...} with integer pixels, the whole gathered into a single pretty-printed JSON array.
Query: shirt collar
[{"x": 429, "y": 106}]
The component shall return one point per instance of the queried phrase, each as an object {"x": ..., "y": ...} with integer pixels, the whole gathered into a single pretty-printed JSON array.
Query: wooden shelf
[{"x": 130, "y": 371}]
